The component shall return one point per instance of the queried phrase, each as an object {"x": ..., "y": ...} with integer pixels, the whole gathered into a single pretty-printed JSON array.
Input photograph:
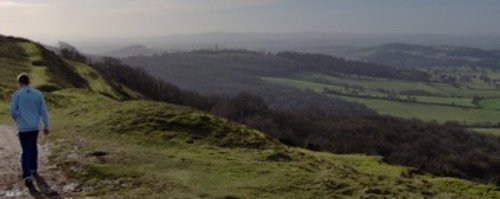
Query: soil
[{"x": 50, "y": 183}]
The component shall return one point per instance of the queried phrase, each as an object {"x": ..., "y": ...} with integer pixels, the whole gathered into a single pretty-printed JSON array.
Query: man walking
[{"x": 27, "y": 109}]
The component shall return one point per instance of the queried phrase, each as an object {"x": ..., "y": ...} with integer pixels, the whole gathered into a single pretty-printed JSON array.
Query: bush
[
  {"x": 48, "y": 88},
  {"x": 38, "y": 63}
]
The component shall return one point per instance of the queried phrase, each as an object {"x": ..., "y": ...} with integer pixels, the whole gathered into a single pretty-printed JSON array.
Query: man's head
[{"x": 23, "y": 79}]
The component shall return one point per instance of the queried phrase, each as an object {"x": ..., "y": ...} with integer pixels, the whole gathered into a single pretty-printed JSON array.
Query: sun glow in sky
[{"x": 51, "y": 20}]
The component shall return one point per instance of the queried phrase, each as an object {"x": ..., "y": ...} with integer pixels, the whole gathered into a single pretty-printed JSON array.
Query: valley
[{"x": 117, "y": 143}]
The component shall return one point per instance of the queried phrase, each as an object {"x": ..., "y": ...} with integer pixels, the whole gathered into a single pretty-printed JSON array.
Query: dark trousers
[{"x": 29, "y": 157}]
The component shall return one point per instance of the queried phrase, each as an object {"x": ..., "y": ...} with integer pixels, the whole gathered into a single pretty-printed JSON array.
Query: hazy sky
[{"x": 70, "y": 20}]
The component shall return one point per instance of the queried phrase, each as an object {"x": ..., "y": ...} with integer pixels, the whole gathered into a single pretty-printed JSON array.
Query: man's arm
[
  {"x": 43, "y": 114},
  {"x": 14, "y": 106}
]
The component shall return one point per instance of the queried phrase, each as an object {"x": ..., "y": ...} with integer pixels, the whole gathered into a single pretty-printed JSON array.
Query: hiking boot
[{"x": 28, "y": 182}]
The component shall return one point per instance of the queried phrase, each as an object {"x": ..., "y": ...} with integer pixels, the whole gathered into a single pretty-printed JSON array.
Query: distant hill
[
  {"x": 281, "y": 41},
  {"x": 234, "y": 71},
  {"x": 310, "y": 42},
  {"x": 133, "y": 51},
  {"x": 408, "y": 56}
]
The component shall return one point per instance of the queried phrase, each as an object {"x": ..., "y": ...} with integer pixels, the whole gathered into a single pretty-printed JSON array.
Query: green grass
[
  {"x": 39, "y": 75},
  {"x": 490, "y": 103},
  {"x": 163, "y": 151},
  {"x": 317, "y": 87},
  {"x": 12, "y": 63},
  {"x": 465, "y": 92},
  {"x": 31, "y": 50},
  {"x": 459, "y": 101},
  {"x": 9, "y": 69},
  {"x": 99, "y": 84},
  {"x": 480, "y": 85},
  {"x": 4, "y": 114},
  {"x": 491, "y": 131},
  {"x": 430, "y": 112},
  {"x": 96, "y": 82},
  {"x": 369, "y": 83}
]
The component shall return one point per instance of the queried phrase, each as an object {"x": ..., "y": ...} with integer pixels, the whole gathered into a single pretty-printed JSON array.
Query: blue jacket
[{"x": 27, "y": 108}]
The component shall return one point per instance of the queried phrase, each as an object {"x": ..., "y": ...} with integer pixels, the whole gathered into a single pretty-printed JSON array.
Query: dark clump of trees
[
  {"x": 69, "y": 52},
  {"x": 229, "y": 72},
  {"x": 333, "y": 66},
  {"x": 140, "y": 81},
  {"x": 440, "y": 149},
  {"x": 61, "y": 73},
  {"x": 9, "y": 49}
]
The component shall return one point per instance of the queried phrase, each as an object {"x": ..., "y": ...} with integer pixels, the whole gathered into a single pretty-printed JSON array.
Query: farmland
[{"x": 474, "y": 101}]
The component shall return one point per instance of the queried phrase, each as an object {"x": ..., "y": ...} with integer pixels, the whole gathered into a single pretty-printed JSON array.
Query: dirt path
[{"x": 50, "y": 184}]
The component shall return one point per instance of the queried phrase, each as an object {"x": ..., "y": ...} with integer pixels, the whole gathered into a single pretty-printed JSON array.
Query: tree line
[{"x": 440, "y": 149}]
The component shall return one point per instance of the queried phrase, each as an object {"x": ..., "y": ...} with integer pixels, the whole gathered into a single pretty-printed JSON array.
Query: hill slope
[
  {"x": 138, "y": 148},
  {"x": 133, "y": 51},
  {"x": 234, "y": 71},
  {"x": 407, "y": 56}
]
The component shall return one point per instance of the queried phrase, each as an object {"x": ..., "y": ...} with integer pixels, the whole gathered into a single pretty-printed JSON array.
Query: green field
[
  {"x": 447, "y": 102},
  {"x": 490, "y": 103},
  {"x": 491, "y": 131},
  {"x": 466, "y": 92},
  {"x": 368, "y": 83},
  {"x": 459, "y": 101},
  {"x": 466, "y": 89},
  {"x": 430, "y": 112},
  {"x": 304, "y": 85}
]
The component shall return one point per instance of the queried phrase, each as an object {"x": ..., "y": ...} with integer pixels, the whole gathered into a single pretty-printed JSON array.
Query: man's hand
[{"x": 46, "y": 132}]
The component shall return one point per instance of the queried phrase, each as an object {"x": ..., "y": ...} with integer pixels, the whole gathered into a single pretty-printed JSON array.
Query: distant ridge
[
  {"x": 290, "y": 41},
  {"x": 133, "y": 50},
  {"x": 411, "y": 55}
]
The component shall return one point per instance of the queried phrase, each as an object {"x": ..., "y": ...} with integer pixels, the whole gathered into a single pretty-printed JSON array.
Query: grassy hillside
[
  {"x": 97, "y": 83},
  {"x": 13, "y": 60},
  {"x": 136, "y": 148},
  {"x": 173, "y": 156}
]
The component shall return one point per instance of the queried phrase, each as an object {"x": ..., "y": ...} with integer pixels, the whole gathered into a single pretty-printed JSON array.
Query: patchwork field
[{"x": 473, "y": 103}]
